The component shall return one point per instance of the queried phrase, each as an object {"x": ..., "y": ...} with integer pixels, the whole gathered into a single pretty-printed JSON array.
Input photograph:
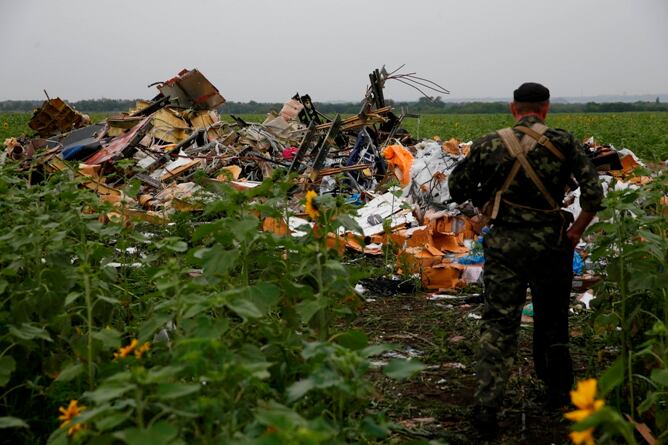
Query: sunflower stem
[{"x": 89, "y": 320}]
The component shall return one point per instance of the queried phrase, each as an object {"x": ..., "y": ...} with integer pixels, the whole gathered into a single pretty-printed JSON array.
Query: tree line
[{"x": 422, "y": 106}]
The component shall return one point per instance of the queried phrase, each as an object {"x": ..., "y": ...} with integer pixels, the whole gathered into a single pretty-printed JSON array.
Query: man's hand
[{"x": 575, "y": 231}]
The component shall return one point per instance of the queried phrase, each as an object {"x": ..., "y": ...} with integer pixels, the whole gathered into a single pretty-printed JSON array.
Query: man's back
[{"x": 489, "y": 163}]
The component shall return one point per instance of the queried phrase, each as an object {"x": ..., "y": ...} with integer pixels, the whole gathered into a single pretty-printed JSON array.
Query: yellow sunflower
[
  {"x": 142, "y": 349},
  {"x": 584, "y": 398},
  {"x": 311, "y": 206},
  {"x": 69, "y": 413},
  {"x": 127, "y": 350}
]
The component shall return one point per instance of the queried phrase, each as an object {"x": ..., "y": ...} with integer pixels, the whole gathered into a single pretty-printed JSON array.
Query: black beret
[{"x": 531, "y": 92}]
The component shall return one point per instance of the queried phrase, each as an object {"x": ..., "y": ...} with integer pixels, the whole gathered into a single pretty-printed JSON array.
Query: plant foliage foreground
[
  {"x": 631, "y": 311},
  {"x": 207, "y": 330}
]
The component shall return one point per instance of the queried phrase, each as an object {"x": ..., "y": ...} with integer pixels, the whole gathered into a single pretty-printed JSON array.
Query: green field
[
  {"x": 211, "y": 330},
  {"x": 645, "y": 133}
]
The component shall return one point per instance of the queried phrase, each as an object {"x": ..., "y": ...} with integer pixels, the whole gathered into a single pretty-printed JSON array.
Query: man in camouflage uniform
[{"x": 530, "y": 243}]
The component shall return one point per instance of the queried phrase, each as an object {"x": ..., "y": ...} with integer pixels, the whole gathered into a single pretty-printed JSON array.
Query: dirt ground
[{"x": 433, "y": 405}]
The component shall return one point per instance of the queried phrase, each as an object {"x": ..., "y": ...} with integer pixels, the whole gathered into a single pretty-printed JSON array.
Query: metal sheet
[
  {"x": 118, "y": 145},
  {"x": 192, "y": 89}
]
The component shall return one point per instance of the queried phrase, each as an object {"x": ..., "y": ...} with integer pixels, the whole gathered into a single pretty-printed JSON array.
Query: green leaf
[
  {"x": 602, "y": 416},
  {"x": 133, "y": 188},
  {"x": 70, "y": 372},
  {"x": 108, "y": 391},
  {"x": 28, "y": 331},
  {"x": 194, "y": 310},
  {"x": 148, "y": 328},
  {"x": 168, "y": 391},
  {"x": 109, "y": 300},
  {"x": 607, "y": 320},
  {"x": 371, "y": 427},
  {"x": 206, "y": 229},
  {"x": 111, "y": 421},
  {"x": 161, "y": 374},
  {"x": 58, "y": 437},
  {"x": 372, "y": 350},
  {"x": 71, "y": 298},
  {"x": 244, "y": 229},
  {"x": 660, "y": 376},
  {"x": 218, "y": 261},
  {"x": 160, "y": 433},
  {"x": 349, "y": 224},
  {"x": 243, "y": 307},
  {"x": 7, "y": 366},
  {"x": 253, "y": 302},
  {"x": 279, "y": 416},
  {"x": 110, "y": 338},
  {"x": 298, "y": 389},
  {"x": 308, "y": 308},
  {"x": 651, "y": 400},
  {"x": 205, "y": 327},
  {"x": 353, "y": 339},
  {"x": 402, "y": 369},
  {"x": 12, "y": 422},
  {"x": 175, "y": 244},
  {"x": 612, "y": 377}
]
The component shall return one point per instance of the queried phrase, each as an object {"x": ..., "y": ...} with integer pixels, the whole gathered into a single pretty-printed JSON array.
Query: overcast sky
[{"x": 266, "y": 50}]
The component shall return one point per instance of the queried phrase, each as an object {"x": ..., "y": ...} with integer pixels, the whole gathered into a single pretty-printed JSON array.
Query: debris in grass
[
  {"x": 177, "y": 154},
  {"x": 586, "y": 297}
]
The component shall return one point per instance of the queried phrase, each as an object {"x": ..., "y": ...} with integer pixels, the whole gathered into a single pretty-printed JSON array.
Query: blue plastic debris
[
  {"x": 528, "y": 310},
  {"x": 355, "y": 200},
  {"x": 578, "y": 264},
  {"x": 471, "y": 259}
]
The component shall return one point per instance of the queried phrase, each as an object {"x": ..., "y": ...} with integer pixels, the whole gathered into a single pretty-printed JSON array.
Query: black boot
[
  {"x": 484, "y": 420},
  {"x": 557, "y": 399}
]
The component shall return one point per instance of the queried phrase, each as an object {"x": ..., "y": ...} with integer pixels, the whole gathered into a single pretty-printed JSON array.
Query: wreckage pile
[{"x": 163, "y": 143}]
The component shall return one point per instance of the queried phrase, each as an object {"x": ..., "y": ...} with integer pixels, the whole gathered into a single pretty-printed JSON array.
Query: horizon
[{"x": 650, "y": 97}]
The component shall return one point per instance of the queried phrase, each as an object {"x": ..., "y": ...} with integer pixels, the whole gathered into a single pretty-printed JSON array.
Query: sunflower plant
[
  {"x": 591, "y": 414},
  {"x": 631, "y": 311},
  {"x": 209, "y": 330}
]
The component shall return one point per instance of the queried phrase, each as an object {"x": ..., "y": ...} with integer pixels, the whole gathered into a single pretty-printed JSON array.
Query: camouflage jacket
[{"x": 481, "y": 174}]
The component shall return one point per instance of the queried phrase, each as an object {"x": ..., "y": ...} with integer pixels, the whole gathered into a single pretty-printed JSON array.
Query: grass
[{"x": 645, "y": 133}]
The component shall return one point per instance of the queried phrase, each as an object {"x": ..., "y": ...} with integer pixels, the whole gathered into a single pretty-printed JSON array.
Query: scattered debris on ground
[
  {"x": 398, "y": 184},
  {"x": 164, "y": 148}
]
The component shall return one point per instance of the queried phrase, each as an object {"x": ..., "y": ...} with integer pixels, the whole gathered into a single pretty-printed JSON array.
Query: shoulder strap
[
  {"x": 514, "y": 147},
  {"x": 537, "y": 134},
  {"x": 506, "y": 184}
]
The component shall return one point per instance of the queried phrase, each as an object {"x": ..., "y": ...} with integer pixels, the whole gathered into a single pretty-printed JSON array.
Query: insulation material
[
  {"x": 429, "y": 174},
  {"x": 371, "y": 217},
  {"x": 443, "y": 276},
  {"x": 416, "y": 259},
  {"x": 169, "y": 126}
]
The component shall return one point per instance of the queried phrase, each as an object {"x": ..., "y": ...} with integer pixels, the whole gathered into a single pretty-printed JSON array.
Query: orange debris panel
[{"x": 400, "y": 160}]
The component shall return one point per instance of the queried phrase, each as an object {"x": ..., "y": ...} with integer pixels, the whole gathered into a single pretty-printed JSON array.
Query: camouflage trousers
[{"x": 518, "y": 257}]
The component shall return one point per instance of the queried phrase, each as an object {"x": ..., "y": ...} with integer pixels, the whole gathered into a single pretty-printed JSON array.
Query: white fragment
[{"x": 586, "y": 298}]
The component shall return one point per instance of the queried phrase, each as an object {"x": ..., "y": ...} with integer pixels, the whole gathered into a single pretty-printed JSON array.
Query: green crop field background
[{"x": 645, "y": 133}]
